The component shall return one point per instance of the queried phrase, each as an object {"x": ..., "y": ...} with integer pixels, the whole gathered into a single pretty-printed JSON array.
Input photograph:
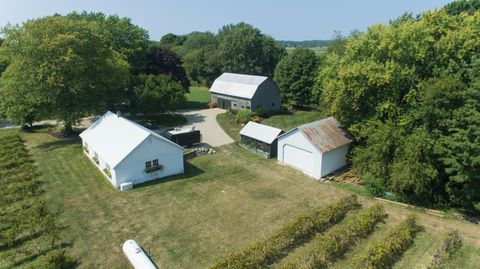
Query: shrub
[
  {"x": 261, "y": 112},
  {"x": 291, "y": 235},
  {"x": 445, "y": 252},
  {"x": 385, "y": 252},
  {"x": 255, "y": 118},
  {"x": 244, "y": 116},
  {"x": 107, "y": 172},
  {"x": 326, "y": 248}
]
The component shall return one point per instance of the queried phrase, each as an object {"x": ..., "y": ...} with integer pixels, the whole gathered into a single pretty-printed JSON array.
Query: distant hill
[{"x": 304, "y": 43}]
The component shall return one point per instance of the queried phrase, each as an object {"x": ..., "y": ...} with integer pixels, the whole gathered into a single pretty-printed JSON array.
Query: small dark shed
[
  {"x": 185, "y": 137},
  {"x": 260, "y": 139}
]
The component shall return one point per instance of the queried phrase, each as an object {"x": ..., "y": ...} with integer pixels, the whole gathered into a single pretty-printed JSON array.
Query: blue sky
[{"x": 282, "y": 19}]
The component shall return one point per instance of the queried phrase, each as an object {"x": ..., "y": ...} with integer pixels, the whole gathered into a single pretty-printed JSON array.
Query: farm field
[
  {"x": 317, "y": 50},
  {"x": 224, "y": 202},
  {"x": 198, "y": 98}
]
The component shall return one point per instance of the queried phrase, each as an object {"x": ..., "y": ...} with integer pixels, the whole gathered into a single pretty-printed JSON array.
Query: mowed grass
[
  {"x": 223, "y": 202},
  {"x": 198, "y": 98},
  {"x": 228, "y": 122}
]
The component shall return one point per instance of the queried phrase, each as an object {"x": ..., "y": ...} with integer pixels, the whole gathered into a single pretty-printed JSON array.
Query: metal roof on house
[
  {"x": 238, "y": 85},
  {"x": 326, "y": 134},
  {"x": 113, "y": 137},
  {"x": 260, "y": 132}
]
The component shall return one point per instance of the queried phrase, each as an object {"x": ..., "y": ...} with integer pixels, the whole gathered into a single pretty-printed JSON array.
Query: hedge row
[
  {"x": 385, "y": 252},
  {"x": 447, "y": 249},
  {"x": 278, "y": 245},
  {"x": 328, "y": 247}
]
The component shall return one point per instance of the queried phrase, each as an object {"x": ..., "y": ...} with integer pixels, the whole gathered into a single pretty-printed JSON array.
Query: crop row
[
  {"x": 279, "y": 244},
  {"x": 386, "y": 251},
  {"x": 326, "y": 248}
]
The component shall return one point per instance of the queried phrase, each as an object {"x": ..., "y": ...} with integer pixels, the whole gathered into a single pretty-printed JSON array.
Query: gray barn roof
[
  {"x": 326, "y": 134},
  {"x": 261, "y": 132},
  {"x": 238, "y": 85}
]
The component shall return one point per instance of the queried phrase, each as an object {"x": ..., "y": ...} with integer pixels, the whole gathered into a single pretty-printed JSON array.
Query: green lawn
[
  {"x": 286, "y": 122},
  {"x": 159, "y": 120},
  {"x": 198, "y": 98},
  {"x": 224, "y": 201}
]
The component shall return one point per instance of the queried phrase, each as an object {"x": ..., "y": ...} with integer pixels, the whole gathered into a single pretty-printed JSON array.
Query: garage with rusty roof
[{"x": 317, "y": 148}]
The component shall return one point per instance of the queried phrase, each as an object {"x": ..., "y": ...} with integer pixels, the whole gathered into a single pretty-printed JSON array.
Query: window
[
  {"x": 273, "y": 104},
  {"x": 242, "y": 106},
  {"x": 155, "y": 162},
  {"x": 148, "y": 164},
  {"x": 235, "y": 105}
]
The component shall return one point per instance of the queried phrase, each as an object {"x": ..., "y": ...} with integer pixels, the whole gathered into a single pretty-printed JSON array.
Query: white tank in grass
[{"x": 137, "y": 257}]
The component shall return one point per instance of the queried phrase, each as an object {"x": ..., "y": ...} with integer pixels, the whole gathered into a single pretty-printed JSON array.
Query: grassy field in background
[
  {"x": 223, "y": 202},
  {"x": 198, "y": 98},
  {"x": 317, "y": 50}
]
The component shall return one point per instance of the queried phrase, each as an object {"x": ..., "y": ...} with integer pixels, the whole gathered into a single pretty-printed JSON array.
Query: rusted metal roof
[{"x": 326, "y": 134}]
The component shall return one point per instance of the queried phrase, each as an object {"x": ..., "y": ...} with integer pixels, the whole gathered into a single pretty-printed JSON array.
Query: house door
[{"x": 224, "y": 103}]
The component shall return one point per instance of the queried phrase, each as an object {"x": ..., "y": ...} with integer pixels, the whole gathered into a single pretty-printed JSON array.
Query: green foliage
[
  {"x": 165, "y": 62},
  {"x": 244, "y": 116},
  {"x": 409, "y": 92},
  {"x": 157, "y": 94},
  {"x": 278, "y": 245},
  {"x": 460, "y": 6},
  {"x": 386, "y": 251},
  {"x": 261, "y": 112},
  {"x": 27, "y": 227},
  {"x": 58, "y": 75},
  {"x": 295, "y": 75},
  {"x": 326, "y": 248},
  {"x": 445, "y": 252},
  {"x": 244, "y": 49},
  {"x": 170, "y": 41}
]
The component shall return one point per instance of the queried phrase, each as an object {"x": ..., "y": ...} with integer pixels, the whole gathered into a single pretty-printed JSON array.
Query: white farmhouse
[
  {"x": 127, "y": 152},
  {"x": 317, "y": 148}
]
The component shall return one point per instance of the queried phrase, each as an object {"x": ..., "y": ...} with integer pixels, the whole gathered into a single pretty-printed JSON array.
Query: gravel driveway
[{"x": 205, "y": 120}]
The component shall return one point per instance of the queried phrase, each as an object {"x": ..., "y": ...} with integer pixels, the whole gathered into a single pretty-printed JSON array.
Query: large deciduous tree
[
  {"x": 244, "y": 49},
  {"x": 295, "y": 75},
  {"x": 156, "y": 94},
  {"x": 59, "y": 68},
  {"x": 410, "y": 93},
  {"x": 162, "y": 61}
]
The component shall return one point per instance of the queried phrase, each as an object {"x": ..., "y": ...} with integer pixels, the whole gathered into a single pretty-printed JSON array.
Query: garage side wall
[
  {"x": 295, "y": 150},
  {"x": 132, "y": 168},
  {"x": 334, "y": 160}
]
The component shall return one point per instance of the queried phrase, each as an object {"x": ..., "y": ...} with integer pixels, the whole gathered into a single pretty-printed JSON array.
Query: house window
[
  {"x": 242, "y": 106},
  {"x": 235, "y": 105},
  {"x": 155, "y": 162},
  {"x": 148, "y": 164}
]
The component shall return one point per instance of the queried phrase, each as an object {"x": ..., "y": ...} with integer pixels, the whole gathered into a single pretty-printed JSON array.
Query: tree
[
  {"x": 60, "y": 68},
  {"x": 460, "y": 6},
  {"x": 126, "y": 38},
  {"x": 162, "y": 61},
  {"x": 244, "y": 49},
  {"x": 409, "y": 91},
  {"x": 295, "y": 75},
  {"x": 169, "y": 41},
  {"x": 157, "y": 94}
]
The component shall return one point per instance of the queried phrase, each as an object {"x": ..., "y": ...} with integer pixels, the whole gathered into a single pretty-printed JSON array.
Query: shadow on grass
[
  {"x": 60, "y": 143},
  {"x": 193, "y": 105},
  {"x": 190, "y": 171}
]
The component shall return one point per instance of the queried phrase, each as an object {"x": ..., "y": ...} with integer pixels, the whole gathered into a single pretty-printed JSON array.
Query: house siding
[{"x": 131, "y": 169}]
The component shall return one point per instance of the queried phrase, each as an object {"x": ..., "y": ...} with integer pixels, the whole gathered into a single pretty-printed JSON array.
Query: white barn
[
  {"x": 240, "y": 91},
  {"x": 317, "y": 148},
  {"x": 128, "y": 152}
]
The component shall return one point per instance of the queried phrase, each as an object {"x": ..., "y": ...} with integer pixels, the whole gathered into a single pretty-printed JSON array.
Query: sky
[{"x": 282, "y": 19}]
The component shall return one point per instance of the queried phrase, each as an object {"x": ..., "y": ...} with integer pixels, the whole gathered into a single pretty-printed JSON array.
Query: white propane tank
[{"x": 137, "y": 257}]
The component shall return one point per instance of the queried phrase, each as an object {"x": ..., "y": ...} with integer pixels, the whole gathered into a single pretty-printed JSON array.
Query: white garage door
[{"x": 298, "y": 157}]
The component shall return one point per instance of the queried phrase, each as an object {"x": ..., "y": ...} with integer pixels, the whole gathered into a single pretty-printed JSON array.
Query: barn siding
[{"x": 266, "y": 94}]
